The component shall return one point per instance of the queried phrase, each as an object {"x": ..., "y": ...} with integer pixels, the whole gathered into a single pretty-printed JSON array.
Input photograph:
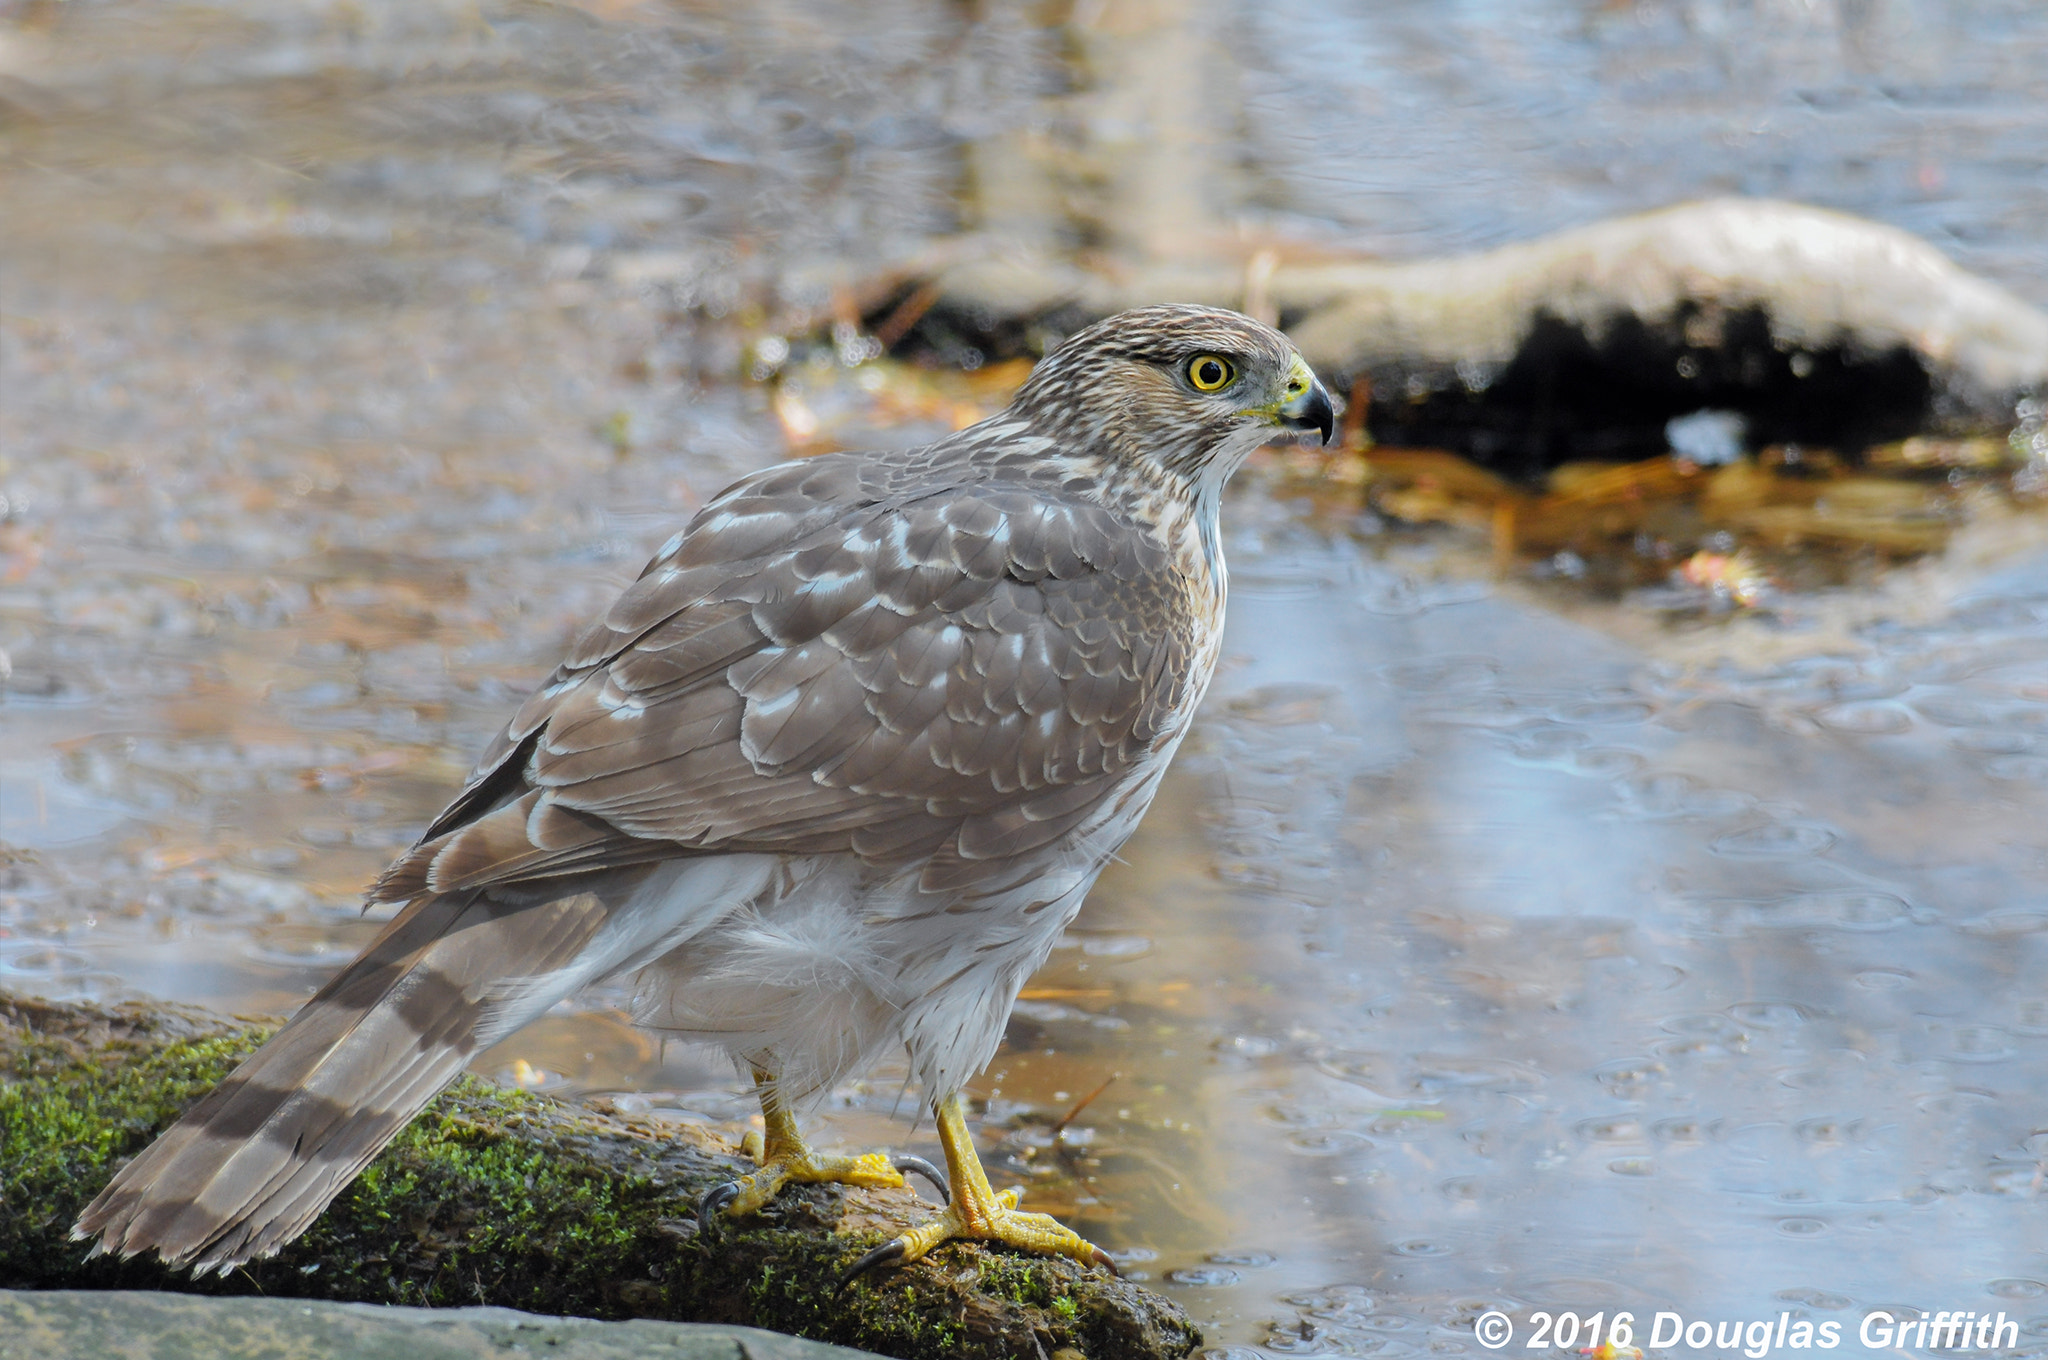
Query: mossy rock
[{"x": 500, "y": 1197}]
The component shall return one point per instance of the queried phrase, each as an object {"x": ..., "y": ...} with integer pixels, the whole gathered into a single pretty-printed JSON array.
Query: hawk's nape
[{"x": 831, "y": 777}]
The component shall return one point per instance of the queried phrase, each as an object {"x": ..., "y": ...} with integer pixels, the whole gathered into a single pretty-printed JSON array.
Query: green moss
[
  {"x": 1017, "y": 1279},
  {"x": 67, "y": 1116},
  {"x": 502, "y": 1197}
]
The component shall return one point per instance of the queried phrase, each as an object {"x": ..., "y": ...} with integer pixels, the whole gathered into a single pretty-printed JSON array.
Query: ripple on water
[
  {"x": 1422, "y": 1247},
  {"x": 1827, "y": 1131},
  {"x": 1438, "y": 1074},
  {"x": 1866, "y": 719},
  {"x": 1327, "y": 1143},
  {"x": 1630, "y": 1078},
  {"x": 1568, "y": 1291},
  {"x": 1305, "y": 1338},
  {"x": 1993, "y": 613},
  {"x": 1992, "y": 742},
  {"x": 1270, "y": 581},
  {"x": 286, "y": 946},
  {"x": 51, "y": 686},
  {"x": 2019, "y": 769},
  {"x": 1285, "y": 705},
  {"x": 1619, "y": 1129},
  {"x": 1444, "y": 674},
  {"x": 1703, "y": 1024},
  {"x": 1630, "y": 976},
  {"x": 1769, "y": 1014},
  {"x": 1292, "y": 1115},
  {"x": 1546, "y": 742},
  {"x": 1654, "y": 797},
  {"x": 42, "y": 962},
  {"x": 1390, "y": 1322},
  {"x": 1684, "y": 1131},
  {"x": 1376, "y": 1072},
  {"x": 2018, "y": 1179},
  {"x": 1203, "y": 1277},
  {"x": 1775, "y": 840},
  {"x": 1699, "y": 1047},
  {"x": 1248, "y": 1260},
  {"x": 1732, "y": 915},
  {"x": 1484, "y": 708},
  {"x": 1859, "y": 911},
  {"x": 2031, "y": 716},
  {"x": 1607, "y": 761},
  {"x": 1333, "y": 1300},
  {"x": 1405, "y": 596},
  {"x": 1979, "y": 1044},
  {"x": 2016, "y": 1288},
  {"x": 1961, "y": 1103},
  {"x": 1955, "y": 710},
  {"x": 1463, "y": 1189},
  {"x": 1115, "y": 946},
  {"x": 1405, "y": 1126},
  {"x": 1606, "y": 713},
  {"x": 2007, "y": 922}
]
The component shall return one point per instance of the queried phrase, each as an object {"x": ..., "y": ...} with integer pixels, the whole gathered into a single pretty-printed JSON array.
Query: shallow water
[{"x": 1492, "y": 945}]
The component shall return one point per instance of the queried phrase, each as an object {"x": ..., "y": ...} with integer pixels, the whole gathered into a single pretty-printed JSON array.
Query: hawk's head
[{"x": 1192, "y": 389}]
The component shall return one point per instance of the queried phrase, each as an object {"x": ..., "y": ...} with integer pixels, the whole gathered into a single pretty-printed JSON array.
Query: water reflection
[{"x": 1547, "y": 1018}]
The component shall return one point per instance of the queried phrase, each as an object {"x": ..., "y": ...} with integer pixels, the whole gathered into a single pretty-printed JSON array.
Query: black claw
[
  {"x": 715, "y": 1199},
  {"x": 886, "y": 1254},
  {"x": 926, "y": 1170}
]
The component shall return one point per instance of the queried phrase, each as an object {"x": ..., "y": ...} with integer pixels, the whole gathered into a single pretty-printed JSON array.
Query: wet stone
[{"x": 61, "y": 1324}]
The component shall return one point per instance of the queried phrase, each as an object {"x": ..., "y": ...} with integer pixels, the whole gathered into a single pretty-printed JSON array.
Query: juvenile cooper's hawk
[{"x": 831, "y": 776}]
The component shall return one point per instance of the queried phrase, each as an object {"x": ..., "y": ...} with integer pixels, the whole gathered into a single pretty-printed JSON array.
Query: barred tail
[{"x": 249, "y": 1167}]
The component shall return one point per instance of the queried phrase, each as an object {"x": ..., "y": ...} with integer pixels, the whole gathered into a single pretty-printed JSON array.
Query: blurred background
[{"x": 1645, "y": 920}]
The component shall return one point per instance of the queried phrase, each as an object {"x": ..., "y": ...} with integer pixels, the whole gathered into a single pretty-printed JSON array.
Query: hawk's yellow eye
[{"x": 1211, "y": 372}]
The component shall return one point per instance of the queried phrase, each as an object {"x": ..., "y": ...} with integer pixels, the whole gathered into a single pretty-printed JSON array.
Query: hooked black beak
[{"x": 1310, "y": 409}]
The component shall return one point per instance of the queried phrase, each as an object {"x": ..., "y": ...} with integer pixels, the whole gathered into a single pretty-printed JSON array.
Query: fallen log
[
  {"x": 1814, "y": 326},
  {"x": 1823, "y": 277},
  {"x": 500, "y": 1197}
]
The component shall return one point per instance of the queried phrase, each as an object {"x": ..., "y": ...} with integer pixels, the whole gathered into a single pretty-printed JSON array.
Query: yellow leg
[
  {"x": 783, "y": 1158},
  {"x": 977, "y": 1211}
]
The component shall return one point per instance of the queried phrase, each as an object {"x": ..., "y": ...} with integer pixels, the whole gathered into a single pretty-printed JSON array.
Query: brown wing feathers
[{"x": 880, "y": 683}]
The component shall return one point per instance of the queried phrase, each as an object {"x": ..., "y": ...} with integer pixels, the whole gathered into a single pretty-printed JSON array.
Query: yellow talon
[
  {"x": 782, "y": 1157},
  {"x": 978, "y": 1211},
  {"x": 800, "y": 1166}
]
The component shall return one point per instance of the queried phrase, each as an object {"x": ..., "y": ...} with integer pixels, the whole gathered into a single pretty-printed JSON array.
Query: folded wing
[{"x": 958, "y": 676}]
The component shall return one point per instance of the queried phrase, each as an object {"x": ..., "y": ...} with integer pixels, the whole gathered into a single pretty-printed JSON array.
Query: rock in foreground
[
  {"x": 71, "y": 1324},
  {"x": 503, "y": 1198}
]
